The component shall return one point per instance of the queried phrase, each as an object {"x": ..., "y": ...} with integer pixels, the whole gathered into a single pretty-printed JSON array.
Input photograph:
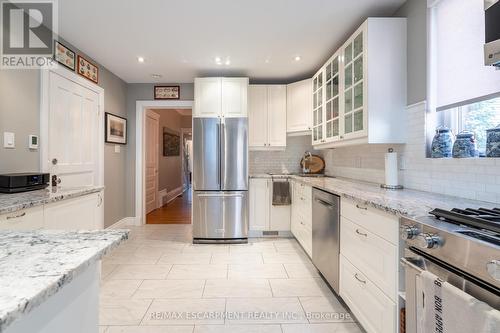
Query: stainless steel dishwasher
[{"x": 326, "y": 235}]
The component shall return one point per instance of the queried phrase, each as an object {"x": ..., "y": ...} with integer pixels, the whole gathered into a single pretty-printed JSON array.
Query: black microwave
[{"x": 492, "y": 32}]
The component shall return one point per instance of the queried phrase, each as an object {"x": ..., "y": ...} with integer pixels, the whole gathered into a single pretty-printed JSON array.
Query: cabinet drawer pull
[
  {"x": 359, "y": 207},
  {"x": 361, "y": 233},
  {"x": 16, "y": 217},
  {"x": 360, "y": 280}
]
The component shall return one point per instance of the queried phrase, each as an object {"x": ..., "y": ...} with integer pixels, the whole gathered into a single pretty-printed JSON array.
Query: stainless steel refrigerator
[{"x": 220, "y": 180}]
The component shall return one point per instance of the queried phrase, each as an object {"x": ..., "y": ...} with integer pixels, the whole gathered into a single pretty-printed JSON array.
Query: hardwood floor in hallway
[{"x": 178, "y": 211}]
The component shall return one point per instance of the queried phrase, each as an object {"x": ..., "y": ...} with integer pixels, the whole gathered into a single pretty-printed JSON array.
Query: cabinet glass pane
[
  {"x": 315, "y": 118},
  {"x": 335, "y": 107},
  {"x": 329, "y": 130},
  {"x": 320, "y": 97},
  {"x": 335, "y": 84},
  {"x": 320, "y": 115},
  {"x": 348, "y": 76},
  {"x": 329, "y": 110},
  {"x": 315, "y": 134},
  {"x": 348, "y": 100},
  {"x": 358, "y": 45},
  {"x": 315, "y": 84},
  {"x": 358, "y": 120},
  {"x": 329, "y": 90},
  {"x": 320, "y": 132},
  {"x": 348, "y": 123},
  {"x": 335, "y": 127},
  {"x": 358, "y": 69},
  {"x": 328, "y": 72},
  {"x": 320, "y": 80},
  {"x": 315, "y": 97},
  {"x": 358, "y": 96},
  {"x": 348, "y": 54},
  {"x": 335, "y": 66}
]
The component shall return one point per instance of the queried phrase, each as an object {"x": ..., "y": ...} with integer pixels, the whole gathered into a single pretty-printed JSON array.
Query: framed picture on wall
[
  {"x": 64, "y": 55},
  {"x": 116, "y": 129},
  {"x": 167, "y": 92},
  {"x": 88, "y": 70},
  {"x": 171, "y": 143}
]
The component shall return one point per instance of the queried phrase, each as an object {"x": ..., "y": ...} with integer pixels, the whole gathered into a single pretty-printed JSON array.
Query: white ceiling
[{"x": 180, "y": 39}]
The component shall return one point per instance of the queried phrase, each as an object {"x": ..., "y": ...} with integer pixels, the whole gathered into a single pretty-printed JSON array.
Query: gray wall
[
  {"x": 142, "y": 92},
  {"x": 19, "y": 113},
  {"x": 416, "y": 12}
]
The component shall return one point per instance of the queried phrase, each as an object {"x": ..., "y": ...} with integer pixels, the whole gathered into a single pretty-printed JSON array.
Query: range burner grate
[{"x": 482, "y": 218}]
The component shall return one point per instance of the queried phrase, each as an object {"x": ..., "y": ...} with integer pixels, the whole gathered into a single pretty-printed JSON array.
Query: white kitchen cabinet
[
  {"x": 259, "y": 204},
  {"x": 26, "y": 219},
  {"x": 301, "y": 215},
  {"x": 359, "y": 95},
  {"x": 220, "y": 97},
  {"x": 263, "y": 215},
  {"x": 267, "y": 117},
  {"x": 73, "y": 214},
  {"x": 374, "y": 310},
  {"x": 299, "y": 104}
]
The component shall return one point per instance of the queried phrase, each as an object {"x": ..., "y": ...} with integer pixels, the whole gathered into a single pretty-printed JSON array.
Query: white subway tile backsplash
[{"x": 477, "y": 178}]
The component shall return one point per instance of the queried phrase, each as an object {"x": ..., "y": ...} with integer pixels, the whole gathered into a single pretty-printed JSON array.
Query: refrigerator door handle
[
  {"x": 223, "y": 156},
  {"x": 218, "y": 195},
  {"x": 219, "y": 180}
]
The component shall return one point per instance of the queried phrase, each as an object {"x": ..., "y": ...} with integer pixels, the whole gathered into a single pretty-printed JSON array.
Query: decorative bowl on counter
[
  {"x": 442, "y": 144},
  {"x": 465, "y": 145},
  {"x": 493, "y": 142}
]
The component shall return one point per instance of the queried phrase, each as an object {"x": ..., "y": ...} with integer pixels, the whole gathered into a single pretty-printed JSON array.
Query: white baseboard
[
  {"x": 161, "y": 198},
  {"x": 123, "y": 222},
  {"x": 171, "y": 195}
]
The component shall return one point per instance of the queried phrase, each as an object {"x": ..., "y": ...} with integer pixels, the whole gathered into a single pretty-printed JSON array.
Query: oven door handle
[{"x": 412, "y": 262}]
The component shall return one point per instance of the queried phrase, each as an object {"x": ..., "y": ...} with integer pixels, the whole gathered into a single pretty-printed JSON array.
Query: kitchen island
[{"x": 52, "y": 274}]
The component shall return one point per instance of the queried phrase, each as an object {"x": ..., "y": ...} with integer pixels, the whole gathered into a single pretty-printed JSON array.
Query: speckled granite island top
[
  {"x": 10, "y": 203},
  {"x": 36, "y": 264},
  {"x": 407, "y": 203}
]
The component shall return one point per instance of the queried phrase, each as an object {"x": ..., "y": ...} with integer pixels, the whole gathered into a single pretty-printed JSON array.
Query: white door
[
  {"x": 73, "y": 132},
  {"x": 234, "y": 97},
  {"x": 207, "y": 97},
  {"x": 257, "y": 116},
  {"x": 152, "y": 152},
  {"x": 299, "y": 106},
  {"x": 259, "y": 204},
  {"x": 276, "y": 114}
]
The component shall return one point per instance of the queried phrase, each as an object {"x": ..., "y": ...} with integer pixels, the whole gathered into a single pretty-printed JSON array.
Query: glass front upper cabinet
[
  {"x": 332, "y": 100},
  {"x": 353, "y": 86},
  {"x": 317, "y": 130}
]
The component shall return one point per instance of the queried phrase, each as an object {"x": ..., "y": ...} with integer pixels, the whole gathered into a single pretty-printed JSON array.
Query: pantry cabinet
[
  {"x": 267, "y": 117},
  {"x": 299, "y": 107},
  {"x": 217, "y": 97},
  {"x": 359, "y": 95}
]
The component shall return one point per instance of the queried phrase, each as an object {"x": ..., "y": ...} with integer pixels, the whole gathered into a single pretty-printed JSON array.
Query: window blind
[{"x": 461, "y": 76}]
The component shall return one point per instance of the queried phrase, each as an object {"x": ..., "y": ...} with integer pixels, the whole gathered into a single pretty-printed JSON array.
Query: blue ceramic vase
[
  {"x": 493, "y": 142},
  {"x": 465, "y": 145},
  {"x": 442, "y": 144}
]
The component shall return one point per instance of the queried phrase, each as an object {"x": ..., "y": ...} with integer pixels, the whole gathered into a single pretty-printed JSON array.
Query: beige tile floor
[{"x": 158, "y": 282}]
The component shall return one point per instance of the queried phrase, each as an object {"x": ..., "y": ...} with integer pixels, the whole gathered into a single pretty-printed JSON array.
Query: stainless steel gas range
[{"x": 459, "y": 246}]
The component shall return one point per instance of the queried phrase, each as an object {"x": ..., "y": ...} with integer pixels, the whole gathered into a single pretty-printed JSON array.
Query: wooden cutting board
[{"x": 316, "y": 164}]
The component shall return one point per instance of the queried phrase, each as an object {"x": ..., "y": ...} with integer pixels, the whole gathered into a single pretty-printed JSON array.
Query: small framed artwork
[
  {"x": 116, "y": 129},
  {"x": 88, "y": 70},
  {"x": 167, "y": 92},
  {"x": 64, "y": 55},
  {"x": 171, "y": 143}
]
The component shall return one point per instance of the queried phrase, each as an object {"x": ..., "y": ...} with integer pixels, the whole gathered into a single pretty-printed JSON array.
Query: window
[{"x": 476, "y": 118}]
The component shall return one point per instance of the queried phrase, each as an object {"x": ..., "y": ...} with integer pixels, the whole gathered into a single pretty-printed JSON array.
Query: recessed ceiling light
[
  {"x": 156, "y": 76},
  {"x": 297, "y": 58},
  {"x": 228, "y": 62},
  {"x": 218, "y": 60},
  {"x": 140, "y": 59},
  {"x": 267, "y": 61}
]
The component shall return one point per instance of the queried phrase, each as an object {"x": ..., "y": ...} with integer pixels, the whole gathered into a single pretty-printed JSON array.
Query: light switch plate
[
  {"x": 9, "y": 140},
  {"x": 117, "y": 149}
]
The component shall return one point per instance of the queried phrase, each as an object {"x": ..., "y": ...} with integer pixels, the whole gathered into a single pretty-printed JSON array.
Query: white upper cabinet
[
  {"x": 267, "y": 117},
  {"x": 359, "y": 95},
  {"x": 220, "y": 97},
  {"x": 299, "y": 107}
]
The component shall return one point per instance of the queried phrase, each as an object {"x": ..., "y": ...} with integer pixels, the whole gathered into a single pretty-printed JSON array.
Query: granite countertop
[
  {"x": 36, "y": 264},
  {"x": 10, "y": 203},
  {"x": 406, "y": 203}
]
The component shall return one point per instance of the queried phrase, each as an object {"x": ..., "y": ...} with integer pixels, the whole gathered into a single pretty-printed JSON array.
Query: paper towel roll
[{"x": 391, "y": 169}]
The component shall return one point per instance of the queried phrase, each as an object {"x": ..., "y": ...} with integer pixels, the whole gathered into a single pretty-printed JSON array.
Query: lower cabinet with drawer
[
  {"x": 375, "y": 311},
  {"x": 301, "y": 217},
  {"x": 26, "y": 219}
]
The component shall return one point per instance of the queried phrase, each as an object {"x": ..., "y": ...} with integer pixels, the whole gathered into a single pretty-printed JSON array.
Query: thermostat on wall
[{"x": 33, "y": 143}]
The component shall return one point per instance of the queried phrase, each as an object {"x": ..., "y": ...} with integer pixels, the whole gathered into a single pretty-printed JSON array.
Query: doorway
[{"x": 167, "y": 135}]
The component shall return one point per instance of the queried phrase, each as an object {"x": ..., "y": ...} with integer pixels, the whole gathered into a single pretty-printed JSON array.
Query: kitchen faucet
[{"x": 306, "y": 167}]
